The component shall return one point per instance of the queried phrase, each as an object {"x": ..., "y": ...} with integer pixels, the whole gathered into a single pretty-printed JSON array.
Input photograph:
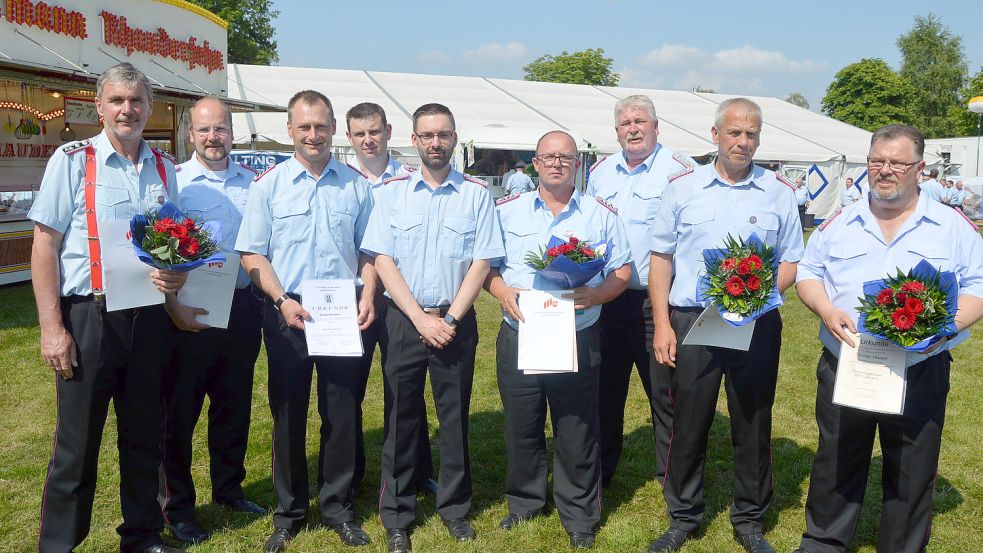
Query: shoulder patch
[
  {"x": 967, "y": 219},
  {"x": 605, "y": 203},
  {"x": 682, "y": 172},
  {"x": 782, "y": 179},
  {"x": 598, "y": 162},
  {"x": 830, "y": 220},
  {"x": 357, "y": 170},
  {"x": 681, "y": 160},
  {"x": 165, "y": 155},
  {"x": 75, "y": 147},
  {"x": 479, "y": 182},
  {"x": 248, "y": 168},
  {"x": 397, "y": 178},
  {"x": 507, "y": 199},
  {"x": 263, "y": 174},
  {"x": 409, "y": 168}
]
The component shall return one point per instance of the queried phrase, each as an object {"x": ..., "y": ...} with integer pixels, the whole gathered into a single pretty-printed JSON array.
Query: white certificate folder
[
  {"x": 127, "y": 279},
  {"x": 211, "y": 287},
  {"x": 333, "y": 328},
  {"x": 871, "y": 376},
  {"x": 548, "y": 336}
]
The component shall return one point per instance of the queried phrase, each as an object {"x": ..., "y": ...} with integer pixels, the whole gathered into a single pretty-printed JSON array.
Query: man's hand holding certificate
[{"x": 333, "y": 326}]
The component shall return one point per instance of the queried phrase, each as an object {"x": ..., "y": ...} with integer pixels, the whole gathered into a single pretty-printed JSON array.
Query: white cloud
[
  {"x": 435, "y": 56},
  {"x": 672, "y": 55},
  {"x": 748, "y": 58},
  {"x": 497, "y": 52}
]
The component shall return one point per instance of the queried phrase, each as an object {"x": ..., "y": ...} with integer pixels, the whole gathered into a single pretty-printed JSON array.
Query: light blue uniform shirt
[
  {"x": 958, "y": 196},
  {"x": 850, "y": 250},
  {"x": 637, "y": 193},
  {"x": 700, "y": 209},
  {"x": 932, "y": 189},
  {"x": 393, "y": 169},
  {"x": 308, "y": 228},
  {"x": 433, "y": 235},
  {"x": 801, "y": 195},
  {"x": 210, "y": 196},
  {"x": 121, "y": 193},
  {"x": 850, "y": 196},
  {"x": 518, "y": 183},
  {"x": 528, "y": 224}
]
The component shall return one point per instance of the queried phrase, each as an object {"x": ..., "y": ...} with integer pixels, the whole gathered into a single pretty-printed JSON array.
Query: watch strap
[{"x": 279, "y": 301}]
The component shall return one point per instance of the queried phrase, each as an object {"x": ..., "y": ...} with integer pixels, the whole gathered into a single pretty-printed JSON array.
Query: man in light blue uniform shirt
[
  {"x": 634, "y": 180},
  {"x": 101, "y": 356},
  {"x": 896, "y": 229},
  {"x": 204, "y": 360},
  {"x": 732, "y": 197},
  {"x": 369, "y": 133},
  {"x": 528, "y": 222},
  {"x": 305, "y": 219},
  {"x": 433, "y": 233},
  {"x": 959, "y": 195},
  {"x": 930, "y": 187},
  {"x": 850, "y": 193},
  {"x": 518, "y": 181}
]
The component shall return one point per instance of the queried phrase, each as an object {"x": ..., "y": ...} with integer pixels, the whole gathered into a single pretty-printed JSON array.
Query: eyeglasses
[
  {"x": 220, "y": 131},
  {"x": 427, "y": 137},
  {"x": 893, "y": 166},
  {"x": 551, "y": 159}
]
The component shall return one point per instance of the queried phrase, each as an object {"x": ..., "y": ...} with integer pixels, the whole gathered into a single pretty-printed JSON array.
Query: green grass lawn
[{"x": 634, "y": 512}]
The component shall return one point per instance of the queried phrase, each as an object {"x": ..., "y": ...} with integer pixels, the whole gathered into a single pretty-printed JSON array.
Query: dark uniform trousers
[
  {"x": 572, "y": 401},
  {"x": 749, "y": 381},
  {"x": 910, "y": 447},
  {"x": 451, "y": 375},
  {"x": 338, "y": 403},
  {"x": 626, "y": 341},
  {"x": 219, "y": 363},
  {"x": 120, "y": 357}
]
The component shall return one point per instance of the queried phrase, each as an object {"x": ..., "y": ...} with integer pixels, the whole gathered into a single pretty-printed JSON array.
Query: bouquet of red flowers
[
  {"x": 569, "y": 263},
  {"x": 914, "y": 311},
  {"x": 740, "y": 279},
  {"x": 169, "y": 240}
]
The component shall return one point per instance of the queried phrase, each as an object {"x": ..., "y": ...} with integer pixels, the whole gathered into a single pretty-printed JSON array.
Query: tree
[
  {"x": 798, "y": 99},
  {"x": 586, "y": 67},
  {"x": 868, "y": 94},
  {"x": 932, "y": 60},
  {"x": 966, "y": 120},
  {"x": 250, "y": 29}
]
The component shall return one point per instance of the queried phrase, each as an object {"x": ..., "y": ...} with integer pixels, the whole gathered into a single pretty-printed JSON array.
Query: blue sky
[{"x": 755, "y": 48}]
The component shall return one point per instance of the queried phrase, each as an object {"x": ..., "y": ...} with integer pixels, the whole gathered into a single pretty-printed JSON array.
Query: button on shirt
[
  {"x": 528, "y": 224},
  {"x": 122, "y": 191},
  {"x": 851, "y": 251},
  {"x": 699, "y": 210},
  {"x": 433, "y": 235},
  {"x": 216, "y": 196},
  {"x": 637, "y": 193},
  {"x": 309, "y": 228}
]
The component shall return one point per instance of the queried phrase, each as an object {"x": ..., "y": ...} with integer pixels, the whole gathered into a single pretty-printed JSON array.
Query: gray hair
[
  {"x": 748, "y": 107},
  {"x": 635, "y": 101},
  {"x": 894, "y": 132},
  {"x": 126, "y": 75}
]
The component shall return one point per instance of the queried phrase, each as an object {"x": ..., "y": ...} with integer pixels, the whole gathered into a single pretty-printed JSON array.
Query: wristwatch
[
  {"x": 279, "y": 301},
  {"x": 450, "y": 320}
]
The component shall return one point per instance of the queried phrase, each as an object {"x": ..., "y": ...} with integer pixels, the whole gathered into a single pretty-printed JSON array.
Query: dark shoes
[
  {"x": 351, "y": 534},
  {"x": 755, "y": 543},
  {"x": 188, "y": 532},
  {"x": 278, "y": 540},
  {"x": 672, "y": 540},
  {"x": 243, "y": 505},
  {"x": 511, "y": 520},
  {"x": 427, "y": 487},
  {"x": 398, "y": 540},
  {"x": 161, "y": 548},
  {"x": 581, "y": 540},
  {"x": 459, "y": 529}
]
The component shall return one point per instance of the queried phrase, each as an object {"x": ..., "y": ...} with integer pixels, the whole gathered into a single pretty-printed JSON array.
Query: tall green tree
[
  {"x": 966, "y": 120},
  {"x": 798, "y": 99},
  {"x": 869, "y": 94},
  {"x": 586, "y": 67},
  {"x": 932, "y": 60},
  {"x": 250, "y": 29}
]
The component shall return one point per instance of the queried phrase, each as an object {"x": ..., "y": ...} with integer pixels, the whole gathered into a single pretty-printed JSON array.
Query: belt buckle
[
  {"x": 432, "y": 311},
  {"x": 99, "y": 296}
]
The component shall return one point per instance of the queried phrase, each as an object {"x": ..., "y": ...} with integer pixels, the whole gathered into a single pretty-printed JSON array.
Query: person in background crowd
[
  {"x": 850, "y": 193},
  {"x": 519, "y": 181}
]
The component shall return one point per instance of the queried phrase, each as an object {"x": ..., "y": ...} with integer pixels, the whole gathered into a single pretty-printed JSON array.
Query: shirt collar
[
  {"x": 104, "y": 149},
  {"x": 647, "y": 163},
  {"x": 925, "y": 209},
  {"x": 751, "y": 179},
  {"x": 295, "y": 169},
  {"x": 196, "y": 170},
  {"x": 574, "y": 203},
  {"x": 391, "y": 169},
  {"x": 454, "y": 178}
]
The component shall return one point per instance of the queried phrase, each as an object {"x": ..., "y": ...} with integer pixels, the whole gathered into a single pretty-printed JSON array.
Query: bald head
[
  {"x": 558, "y": 137},
  {"x": 210, "y": 130}
]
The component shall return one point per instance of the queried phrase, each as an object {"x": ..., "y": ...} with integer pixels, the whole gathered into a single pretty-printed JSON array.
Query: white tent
[{"x": 513, "y": 114}]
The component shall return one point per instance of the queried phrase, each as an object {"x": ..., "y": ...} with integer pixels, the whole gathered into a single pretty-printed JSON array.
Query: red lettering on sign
[
  {"x": 46, "y": 17},
  {"x": 116, "y": 32}
]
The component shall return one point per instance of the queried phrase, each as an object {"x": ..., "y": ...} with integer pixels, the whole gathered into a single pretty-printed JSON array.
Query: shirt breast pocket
[
  {"x": 343, "y": 224},
  {"x": 207, "y": 212},
  {"x": 643, "y": 207},
  {"x": 521, "y": 242},
  {"x": 766, "y": 226},
  {"x": 291, "y": 221},
  {"x": 936, "y": 254},
  {"x": 113, "y": 203},
  {"x": 846, "y": 262},
  {"x": 457, "y": 236},
  {"x": 697, "y": 224},
  {"x": 407, "y": 231}
]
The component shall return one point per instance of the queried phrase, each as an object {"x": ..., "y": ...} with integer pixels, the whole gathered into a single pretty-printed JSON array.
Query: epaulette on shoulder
[
  {"x": 409, "y": 168},
  {"x": 682, "y": 172},
  {"x": 357, "y": 170},
  {"x": 598, "y": 162},
  {"x": 166, "y": 155},
  {"x": 967, "y": 219},
  {"x": 782, "y": 179},
  {"x": 605, "y": 203},
  {"x": 248, "y": 168},
  {"x": 681, "y": 160},
  {"x": 396, "y": 178},
  {"x": 75, "y": 147},
  {"x": 263, "y": 174},
  {"x": 506, "y": 199},
  {"x": 829, "y": 220},
  {"x": 479, "y": 182}
]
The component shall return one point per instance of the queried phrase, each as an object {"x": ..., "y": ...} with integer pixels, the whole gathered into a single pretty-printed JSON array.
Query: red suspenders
[{"x": 91, "y": 222}]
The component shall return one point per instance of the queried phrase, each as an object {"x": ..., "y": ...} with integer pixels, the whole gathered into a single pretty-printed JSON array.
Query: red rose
[
  {"x": 755, "y": 262},
  {"x": 913, "y": 287},
  {"x": 565, "y": 248},
  {"x": 914, "y": 306},
  {"x": 178, "y": 231},
  {"x": 753, "y": 283},
  {"x": 574, "y": 240},
  {"x": 744, "y": 267},
  {"x": 903, "y": 319},
  {"x": 588, "y": 252},
  {"x": 885, "y": 296},
  {"x": 735, "y": 286},
  {"x": 189, "y": 224},
  {"x": 901, "y": 297},
  {"x": 553, "y": 252}
]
